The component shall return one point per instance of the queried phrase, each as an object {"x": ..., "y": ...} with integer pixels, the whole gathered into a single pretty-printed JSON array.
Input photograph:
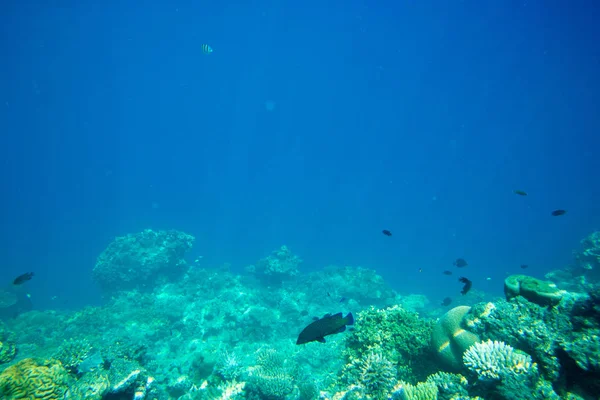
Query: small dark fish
[
  {"x": 420, "y": 269},
  {"x": 328, "y": 325},
  {"x": 520, "y": 192},
  {"x": 19, "y": 280},
  {"x": 386, "y": 232},
  {"x": 343, "y": 300},
  {"x": 460, "y": 263},
  {"x": 447, "y": 272},
  {"x": 467, "y": 286},
  {"x": 556, "y": 213},
  {"x": 524, "y": 266},
  {"x": 446, "y": 302}
]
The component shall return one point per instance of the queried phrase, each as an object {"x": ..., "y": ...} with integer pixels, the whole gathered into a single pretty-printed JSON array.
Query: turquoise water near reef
[{"x": 308, "y": 125}]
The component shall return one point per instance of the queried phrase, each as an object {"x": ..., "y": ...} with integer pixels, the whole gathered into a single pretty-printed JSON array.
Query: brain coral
[
  {"x": 450, "y": 339},
  {"x": 34, "y": 379}
]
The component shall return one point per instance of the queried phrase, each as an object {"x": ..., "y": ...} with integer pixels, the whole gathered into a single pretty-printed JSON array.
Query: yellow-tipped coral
[{"x": 494, "y": 360}]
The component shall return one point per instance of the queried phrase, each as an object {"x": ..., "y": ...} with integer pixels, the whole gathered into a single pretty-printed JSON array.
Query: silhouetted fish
[
  {"x": 19, "y": 280},
  {"x": 446, "y": 302},
  {"x": 520, "y": 192},
  {"x": 556, "y": 213},
  {"x": 467, "y": 286},
  {"x": 460, "y": 263},
  {"x": 446, "y": 272},
  {"x": 386, "y": 232},
  {"x": 328, "y": 325},
  {"x": 524, "y": 266}
]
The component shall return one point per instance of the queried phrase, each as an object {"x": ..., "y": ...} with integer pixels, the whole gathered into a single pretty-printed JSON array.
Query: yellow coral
[{"x": 34, "y": 379}]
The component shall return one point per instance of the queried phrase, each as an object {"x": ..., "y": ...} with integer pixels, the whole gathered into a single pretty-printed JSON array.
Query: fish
[
  {"x": 206, "y": 49},
  {"x": 520, "y": 192},
  {"x": 524, "y": 266},
  {"x": 386, "y": 232},
  {"x": 467, "y": 286},
  {"x": 343, "y": 300},
  {"x": 328, "y": 325},
  {"x": 21, "y": 279},
  {"x": 446, "y": 272},
  {"x": 460, "y": 263},
  {"x": 556, "y": 213},
  {"x": 446, "y": 302}
]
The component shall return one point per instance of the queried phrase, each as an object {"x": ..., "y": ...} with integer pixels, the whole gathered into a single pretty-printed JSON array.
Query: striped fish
[{"x": 206, "y": 49}]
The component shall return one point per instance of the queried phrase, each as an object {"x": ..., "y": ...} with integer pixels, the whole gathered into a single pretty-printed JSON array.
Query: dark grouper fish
[{"x": 328, "y": 325}]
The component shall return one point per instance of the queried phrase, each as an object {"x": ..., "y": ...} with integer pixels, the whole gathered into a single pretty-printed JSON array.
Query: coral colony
[{"x": 169, "y": 330}]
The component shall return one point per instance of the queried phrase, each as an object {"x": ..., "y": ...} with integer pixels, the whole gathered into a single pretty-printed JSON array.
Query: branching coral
[
  {"x": 494, "y": 360},
  {"x": 373, "y": 375},
  {"x": 273, "y": 377}
]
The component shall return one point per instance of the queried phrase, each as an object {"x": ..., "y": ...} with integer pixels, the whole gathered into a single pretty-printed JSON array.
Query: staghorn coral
[
  {"x": 373, "y": 375},
  {"x": 495, "y": 360},
  {"x": 34, "y": 379}
]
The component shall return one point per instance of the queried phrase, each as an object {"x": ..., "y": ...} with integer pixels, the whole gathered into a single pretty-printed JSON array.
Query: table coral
[{"x": 544, "y": 293}]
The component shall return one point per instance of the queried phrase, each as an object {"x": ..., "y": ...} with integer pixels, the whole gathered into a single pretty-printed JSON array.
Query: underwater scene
[{"x": 276, "y": 200}]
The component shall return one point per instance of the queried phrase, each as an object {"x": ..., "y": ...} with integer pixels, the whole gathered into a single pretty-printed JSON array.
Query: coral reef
[
  {"x": 279, "y": 266},
  {"x": 142, "y": 260},
  {"x": 398, "y": 335},
  {"x": 372, "y": 375}
]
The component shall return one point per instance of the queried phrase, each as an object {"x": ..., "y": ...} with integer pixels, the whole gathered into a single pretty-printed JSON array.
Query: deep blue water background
[{"x": 420, "y": 117}]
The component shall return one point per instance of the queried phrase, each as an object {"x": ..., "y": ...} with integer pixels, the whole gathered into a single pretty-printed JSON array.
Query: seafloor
[{"x": 171, "y": 330}]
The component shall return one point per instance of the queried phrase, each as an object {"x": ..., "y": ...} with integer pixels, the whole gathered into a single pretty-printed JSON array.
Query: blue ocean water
[{"x": 311, "y": 125}]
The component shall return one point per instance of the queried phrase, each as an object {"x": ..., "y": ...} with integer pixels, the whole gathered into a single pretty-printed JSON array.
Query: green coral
[
  {"x": 374, "y": 375},
  {"x": 420, "y": 391},
  {"x": 584, "y": 349},
  {"x": 273, "y": 377},
  {"x": 398, "y": 335},
  {"x": 450, "y": 386},
  {"x": 544, "y": 293}
]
